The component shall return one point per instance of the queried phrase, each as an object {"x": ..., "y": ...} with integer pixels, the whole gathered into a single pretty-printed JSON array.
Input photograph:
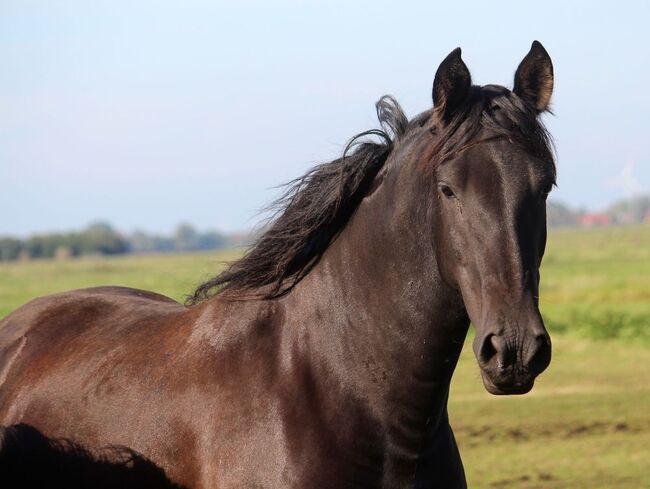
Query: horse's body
[{"x": 340, "y": 379}]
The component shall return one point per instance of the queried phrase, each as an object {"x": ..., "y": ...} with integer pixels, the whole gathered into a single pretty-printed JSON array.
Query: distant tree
[
  {"x": 38, "y": 246},
  {"x": 212, "y": 240},
  {"x": 142, "y": 242},
  {"x": 185, "y": 238},
  {"x": 139, "y": 241},
  {"x": 101, "y": 238},
  {"x": 10, "y": 249}
]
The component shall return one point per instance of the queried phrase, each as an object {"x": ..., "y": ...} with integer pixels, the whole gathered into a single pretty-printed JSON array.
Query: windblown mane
[
  {"x": 316, "y": 207},
  {"x": 310, "y": 213}
]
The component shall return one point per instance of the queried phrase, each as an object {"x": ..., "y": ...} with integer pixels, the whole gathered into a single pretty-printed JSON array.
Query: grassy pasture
[
  {"x": 586, "y": 423},
  {"x": 596, "y": 283}
]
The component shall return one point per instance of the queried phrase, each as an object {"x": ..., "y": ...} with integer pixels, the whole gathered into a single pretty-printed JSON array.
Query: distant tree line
[
  {"x": 184, "y": 238},
  {"x": 97, "y": 239},
  {"x": 101, "y": 238},
  {"x": 634, "y": 210}
]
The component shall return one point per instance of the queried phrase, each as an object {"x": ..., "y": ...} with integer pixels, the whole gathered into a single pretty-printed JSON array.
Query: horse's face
[{"x": 490, "y": 235}]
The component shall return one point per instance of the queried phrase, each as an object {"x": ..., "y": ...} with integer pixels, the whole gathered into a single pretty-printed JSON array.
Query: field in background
[
  {"x": 596, "y": 283},
  {"x": 587, "y": 422},
  {"x": 173, "y": 275}
]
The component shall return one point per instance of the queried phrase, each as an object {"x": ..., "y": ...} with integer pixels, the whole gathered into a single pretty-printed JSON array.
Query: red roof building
[{"x": 595, "y": 219}]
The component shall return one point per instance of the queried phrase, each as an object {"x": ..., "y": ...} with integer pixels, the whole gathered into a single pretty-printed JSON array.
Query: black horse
[{"x": 323, "y": 357}]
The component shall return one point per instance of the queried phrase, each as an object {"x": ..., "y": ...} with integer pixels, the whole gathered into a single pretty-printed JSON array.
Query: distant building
[{"x": 595, "y": 219}]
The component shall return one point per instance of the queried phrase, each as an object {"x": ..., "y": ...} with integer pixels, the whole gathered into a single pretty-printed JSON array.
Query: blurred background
[{"x": 140, "y": 139}]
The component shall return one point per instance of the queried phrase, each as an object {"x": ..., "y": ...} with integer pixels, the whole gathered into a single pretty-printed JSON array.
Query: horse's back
[
  {"x": 113, "y": 366},
  {"x": 49, "y": 328},
  {"x": 50, "y": 311}
]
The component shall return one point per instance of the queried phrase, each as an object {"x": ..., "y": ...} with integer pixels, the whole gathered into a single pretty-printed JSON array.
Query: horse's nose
[{"x": 495, "y": 353}]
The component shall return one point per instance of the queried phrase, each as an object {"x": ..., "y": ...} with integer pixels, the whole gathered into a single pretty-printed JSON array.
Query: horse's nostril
[
  {"x": 539, "y": 354},
  {"x": 493, "y": 352},
  {"x": 488, "y": 349}
]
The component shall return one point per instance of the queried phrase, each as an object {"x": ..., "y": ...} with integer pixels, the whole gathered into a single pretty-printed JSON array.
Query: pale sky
[{"x": 150, "y": 113}]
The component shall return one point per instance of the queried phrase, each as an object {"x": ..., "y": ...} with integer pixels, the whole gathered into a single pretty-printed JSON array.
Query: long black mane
[
  {"x": 315, "y": 207},
  {"x": 310, "y": 213}
]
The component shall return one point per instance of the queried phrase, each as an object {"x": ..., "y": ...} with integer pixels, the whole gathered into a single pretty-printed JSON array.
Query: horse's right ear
[{"x": 451, "y": 85}]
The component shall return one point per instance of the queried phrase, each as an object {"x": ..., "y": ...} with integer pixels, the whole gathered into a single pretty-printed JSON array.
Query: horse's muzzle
[{"x": 510, "y": 367}]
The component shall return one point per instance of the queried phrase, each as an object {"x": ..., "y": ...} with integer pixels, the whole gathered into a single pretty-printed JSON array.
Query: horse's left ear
[
  {"x": 451, "y": 85},
  {"x": 534, "y": 78}
]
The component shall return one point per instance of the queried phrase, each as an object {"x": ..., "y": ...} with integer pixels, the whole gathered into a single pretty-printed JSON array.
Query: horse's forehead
[
  {"x": 492, "y": 91},
  {"x": 500, "y": 164}
]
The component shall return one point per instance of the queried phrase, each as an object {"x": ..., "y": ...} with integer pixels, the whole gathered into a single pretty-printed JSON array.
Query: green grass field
[
  {"x": 596, "y": 283},
  {"x": 587, "y": 422}
]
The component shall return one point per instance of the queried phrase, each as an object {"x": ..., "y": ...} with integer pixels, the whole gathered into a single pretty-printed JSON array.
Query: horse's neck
[{"x": 380, "y": 319}]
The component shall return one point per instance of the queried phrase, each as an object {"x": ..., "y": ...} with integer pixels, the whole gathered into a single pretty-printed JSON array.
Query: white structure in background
[{"x": 627, "y": 181}]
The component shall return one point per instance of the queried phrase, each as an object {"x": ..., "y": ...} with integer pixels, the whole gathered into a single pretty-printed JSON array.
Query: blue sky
[{"x": 150, "y": 113}]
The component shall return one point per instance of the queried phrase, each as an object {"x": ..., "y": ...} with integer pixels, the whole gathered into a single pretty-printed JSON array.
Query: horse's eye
[
  {"x": 546, "y": 190},
  {"x": 446, "y": 190}
]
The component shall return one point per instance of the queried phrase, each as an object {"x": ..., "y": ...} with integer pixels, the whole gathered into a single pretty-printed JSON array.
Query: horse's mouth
[{"x": 516, "y": 387}]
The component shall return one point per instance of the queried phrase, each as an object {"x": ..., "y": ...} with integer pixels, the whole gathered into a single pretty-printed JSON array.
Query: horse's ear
[
  {"x": 451, "y": 85},
  {"x": 534, "y": 78}
]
